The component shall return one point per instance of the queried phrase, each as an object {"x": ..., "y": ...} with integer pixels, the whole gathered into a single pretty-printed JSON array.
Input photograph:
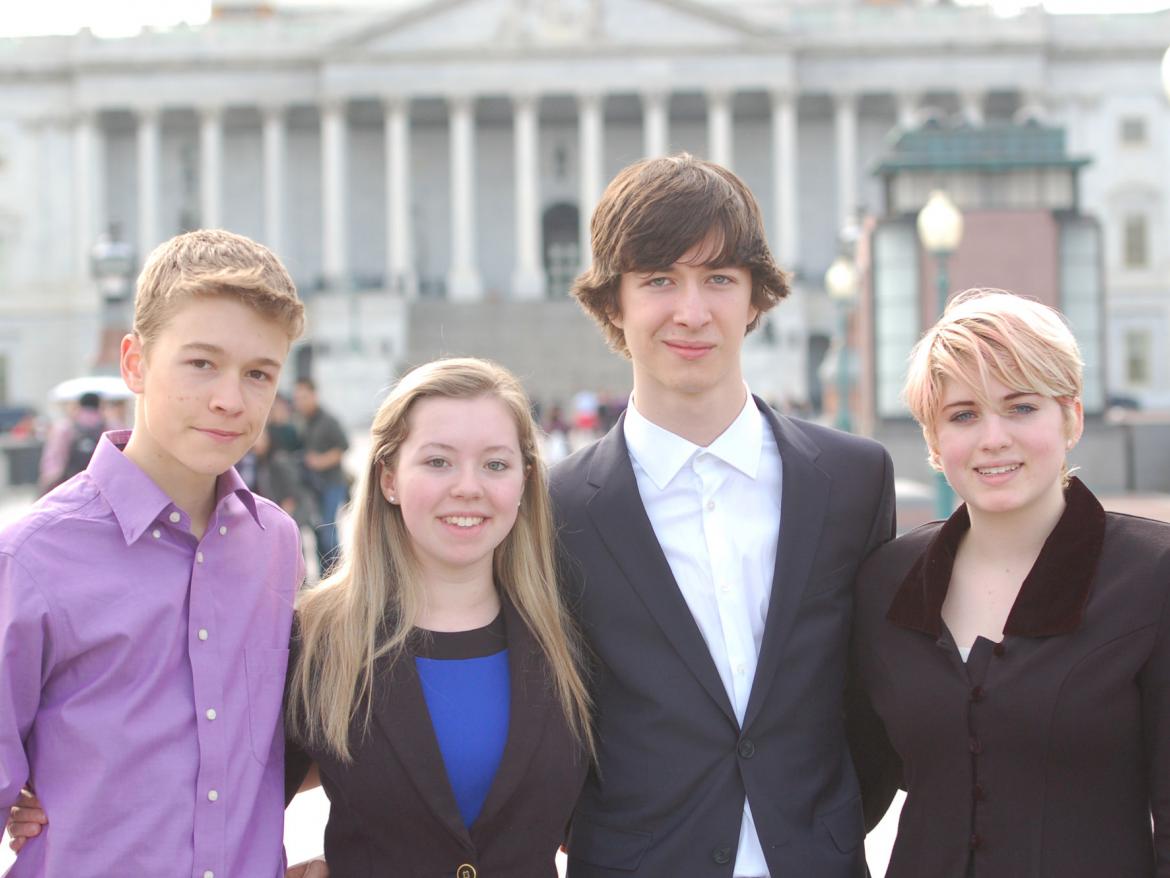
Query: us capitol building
[{"x": 427, "y": 168}]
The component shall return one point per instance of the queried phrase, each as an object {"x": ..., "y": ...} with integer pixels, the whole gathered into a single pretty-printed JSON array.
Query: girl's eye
[
  {"x": 961, "y": 417},
  {"x": 436, "y": 462},
  {"x": 1024, "y": 408},
  {"x": 497, "y": 466}
]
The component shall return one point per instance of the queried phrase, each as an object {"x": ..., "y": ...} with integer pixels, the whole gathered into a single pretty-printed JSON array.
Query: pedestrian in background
[
  {"x": 71, "y": 441},
  {"x": 325, "y": 444}
]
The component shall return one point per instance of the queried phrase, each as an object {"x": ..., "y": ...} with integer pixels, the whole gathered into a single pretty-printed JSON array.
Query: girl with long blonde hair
[{"x": 435, "y": 679}]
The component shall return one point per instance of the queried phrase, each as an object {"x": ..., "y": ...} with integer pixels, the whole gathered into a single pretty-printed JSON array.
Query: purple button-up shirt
[{"x": 141, "y": 675}]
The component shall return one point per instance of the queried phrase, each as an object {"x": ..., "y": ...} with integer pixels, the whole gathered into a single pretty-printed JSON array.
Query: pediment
[{"x": 441, "y": 26}]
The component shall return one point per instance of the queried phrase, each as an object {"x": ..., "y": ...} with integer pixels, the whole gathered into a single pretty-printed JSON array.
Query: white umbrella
[{"x": 105, "y": 386}]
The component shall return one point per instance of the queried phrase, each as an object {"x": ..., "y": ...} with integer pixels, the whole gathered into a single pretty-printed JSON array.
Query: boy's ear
[{"x": 132, "y": 360}]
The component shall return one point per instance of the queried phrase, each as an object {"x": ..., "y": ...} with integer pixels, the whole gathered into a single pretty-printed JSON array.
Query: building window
[
  {"x": 1133, "y": 131},
  {"x": 1138, "y": 349},
  {"x": 1136, "y": 254}
]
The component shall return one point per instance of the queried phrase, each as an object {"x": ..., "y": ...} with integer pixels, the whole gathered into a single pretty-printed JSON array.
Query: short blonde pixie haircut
[
  {"x": 989, "y": 334},
  {"x": 212, "y": 262},
  {"x": 652, "y": 213}
]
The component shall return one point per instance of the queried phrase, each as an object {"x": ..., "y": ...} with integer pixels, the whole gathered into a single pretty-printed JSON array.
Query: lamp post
[
  {"x": 841, "y": 285},
  {"x": 1166, "y": 73},
  {"x": 940, "y": 227}
]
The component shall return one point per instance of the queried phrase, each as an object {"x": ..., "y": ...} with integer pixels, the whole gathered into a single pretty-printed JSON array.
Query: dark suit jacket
[
  {"x": 392, "y": 813},
  {"x": 1044, "y": 755},
  {"x": 674, "y": 766}
]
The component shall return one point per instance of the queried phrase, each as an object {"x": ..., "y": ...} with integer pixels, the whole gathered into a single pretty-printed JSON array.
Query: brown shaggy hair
[{"x": 657, "y": 209}]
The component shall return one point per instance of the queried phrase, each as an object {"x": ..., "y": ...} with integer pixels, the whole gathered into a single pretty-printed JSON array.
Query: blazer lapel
[
  {"x": 532, "y": 700},
  {"x": 803, "y": 504},
  {"x": 400, "y": 709},
  {"x": 620, "y": 518}
]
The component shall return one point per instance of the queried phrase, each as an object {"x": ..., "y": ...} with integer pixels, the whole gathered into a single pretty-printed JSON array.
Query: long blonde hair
[{"x": 370, "y": 603}]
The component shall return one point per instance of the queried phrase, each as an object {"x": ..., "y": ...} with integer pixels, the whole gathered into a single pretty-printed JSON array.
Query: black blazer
[
  {"x": 674, "y": 766},
  {"x": 1045, "y": 755},
  {"x": 392, "y": 813}
]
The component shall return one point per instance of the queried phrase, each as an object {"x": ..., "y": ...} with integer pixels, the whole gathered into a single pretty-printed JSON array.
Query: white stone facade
[{"x": 455, "y": 148}]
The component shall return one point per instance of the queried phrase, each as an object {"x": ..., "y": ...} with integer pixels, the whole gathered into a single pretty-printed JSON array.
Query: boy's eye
[
  {"x": 658, "y": 281},
  {"x": 200, "y": 364},
  {"x": 722, "y": 279},
  {"x": 259, "y": 375}
]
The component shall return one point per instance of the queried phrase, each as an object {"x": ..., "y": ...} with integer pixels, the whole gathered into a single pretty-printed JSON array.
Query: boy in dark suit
[{"x": 710, "y": 547}]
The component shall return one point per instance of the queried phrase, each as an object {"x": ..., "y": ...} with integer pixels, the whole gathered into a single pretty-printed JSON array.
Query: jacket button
[
  {"x": 976, "y": 842},
  {"x": 722, "y": 856},
  {"x": 977, "y": 693},
  {"x": 746, "y": 748},
  {"x": 978, "y": 793},
  {"x": 975, "y": 746},
  {"x": 465, "y": 871}
]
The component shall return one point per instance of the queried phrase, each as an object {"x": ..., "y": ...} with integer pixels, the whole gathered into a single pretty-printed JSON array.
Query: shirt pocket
[{"x": 265, "y": 668}]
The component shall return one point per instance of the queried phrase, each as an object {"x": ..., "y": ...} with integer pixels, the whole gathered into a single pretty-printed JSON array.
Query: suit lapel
[
  {"x": 620, "y": 519},
  {"x": 400, "y": 709},
  {"x": 803, "y": 503},
  {"x": 532, "y": 700}
]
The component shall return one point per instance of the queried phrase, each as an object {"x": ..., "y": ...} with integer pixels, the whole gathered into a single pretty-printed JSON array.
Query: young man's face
[
  {"x": 206, "y": 384},
  {"x": 684, "y": 327}
]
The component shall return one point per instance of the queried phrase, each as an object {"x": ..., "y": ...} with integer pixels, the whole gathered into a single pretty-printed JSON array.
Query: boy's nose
[
  {"x": 692, "y": 307},
  {"x": 228, "y": 397}
]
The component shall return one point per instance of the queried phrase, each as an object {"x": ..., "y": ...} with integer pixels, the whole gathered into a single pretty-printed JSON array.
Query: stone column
[
  {"x": 655, "y": 123},
  {"x": 908, "y": 103},
  {"x": 87, "y": 198},
  {"x": 591, "y": 137},
  {"x": 719, "y": 128},
  {"x": 210, "y": 167},
  {"x": 463, "y": 281},
  {"x": 400, "y": 276},
  {"x": 527, "y": 277},
  {"x": 845, "y": 128},
  {"x": 333, "y": 194},
  {"x": 148, "y": 176},
  {"x": 274, "y": 137},
  {"x": 971, "y": 107},
  {"x": 784, "y": 178}
]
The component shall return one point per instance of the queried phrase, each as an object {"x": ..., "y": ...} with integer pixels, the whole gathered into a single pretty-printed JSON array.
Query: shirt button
[
  {"x": 222, "y": 529},
  {"x": 211, "y": 713},
  {"x": 198, "y": 557},
  {"x": 208, "y": 874},
  {"x": 710, "y": 505},
  {"x": 724, "y": 587},
  {"x": 213, "y": 795},
  {"x": 156, "y": 533},
  {"x": 202, "y": 634},
  {"x": 174, "y": 516},
  {"x": 741, "y": 669}
]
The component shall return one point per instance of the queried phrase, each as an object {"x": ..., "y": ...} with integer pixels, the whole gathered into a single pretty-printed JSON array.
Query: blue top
[{"x": 464, "y": 677}]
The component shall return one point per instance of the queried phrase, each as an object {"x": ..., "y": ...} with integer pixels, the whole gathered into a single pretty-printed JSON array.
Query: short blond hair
[
  {"x": 213, "y": 262},
  {"x": 989, "y": 334}
]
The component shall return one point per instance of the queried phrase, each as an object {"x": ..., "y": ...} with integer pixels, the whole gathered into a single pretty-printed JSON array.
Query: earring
[{"x": 392, "y": 499}]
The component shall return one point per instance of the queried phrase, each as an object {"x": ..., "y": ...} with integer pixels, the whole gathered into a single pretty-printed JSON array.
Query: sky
[{"x": 113, "y": 18}]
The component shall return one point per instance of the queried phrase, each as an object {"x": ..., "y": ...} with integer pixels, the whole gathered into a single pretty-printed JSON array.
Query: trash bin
[{"x": 23, "y": 459}]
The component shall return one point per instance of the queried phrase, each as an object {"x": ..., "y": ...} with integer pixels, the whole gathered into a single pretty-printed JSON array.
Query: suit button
[
  {"x": 465, "y": 871},
  {"x": 722, "y": 856},
  {"x": 976, "y": 842},
  {"x": 977, "y": 693},
  {"x": 978, "y": 793},
  {"x": 746, "y": 748},
  {"x": 975, "y": 746}
]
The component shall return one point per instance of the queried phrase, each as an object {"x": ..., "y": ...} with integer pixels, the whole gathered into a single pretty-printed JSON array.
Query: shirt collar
[
  {"x": 134, "y": 498},
  {"x": 1053, "y": 595},
  {"x": 661, "y": 453}
]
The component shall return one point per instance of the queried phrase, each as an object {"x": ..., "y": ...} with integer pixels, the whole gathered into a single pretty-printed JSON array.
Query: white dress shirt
[{"x": 716, "y": 513}]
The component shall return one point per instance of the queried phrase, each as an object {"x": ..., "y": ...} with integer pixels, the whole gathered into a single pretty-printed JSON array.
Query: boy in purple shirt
[{"x": 145, "y": 604}]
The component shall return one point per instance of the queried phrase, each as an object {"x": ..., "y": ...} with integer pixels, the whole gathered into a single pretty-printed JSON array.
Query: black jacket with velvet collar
[{"x": 1043, "y": 755}]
